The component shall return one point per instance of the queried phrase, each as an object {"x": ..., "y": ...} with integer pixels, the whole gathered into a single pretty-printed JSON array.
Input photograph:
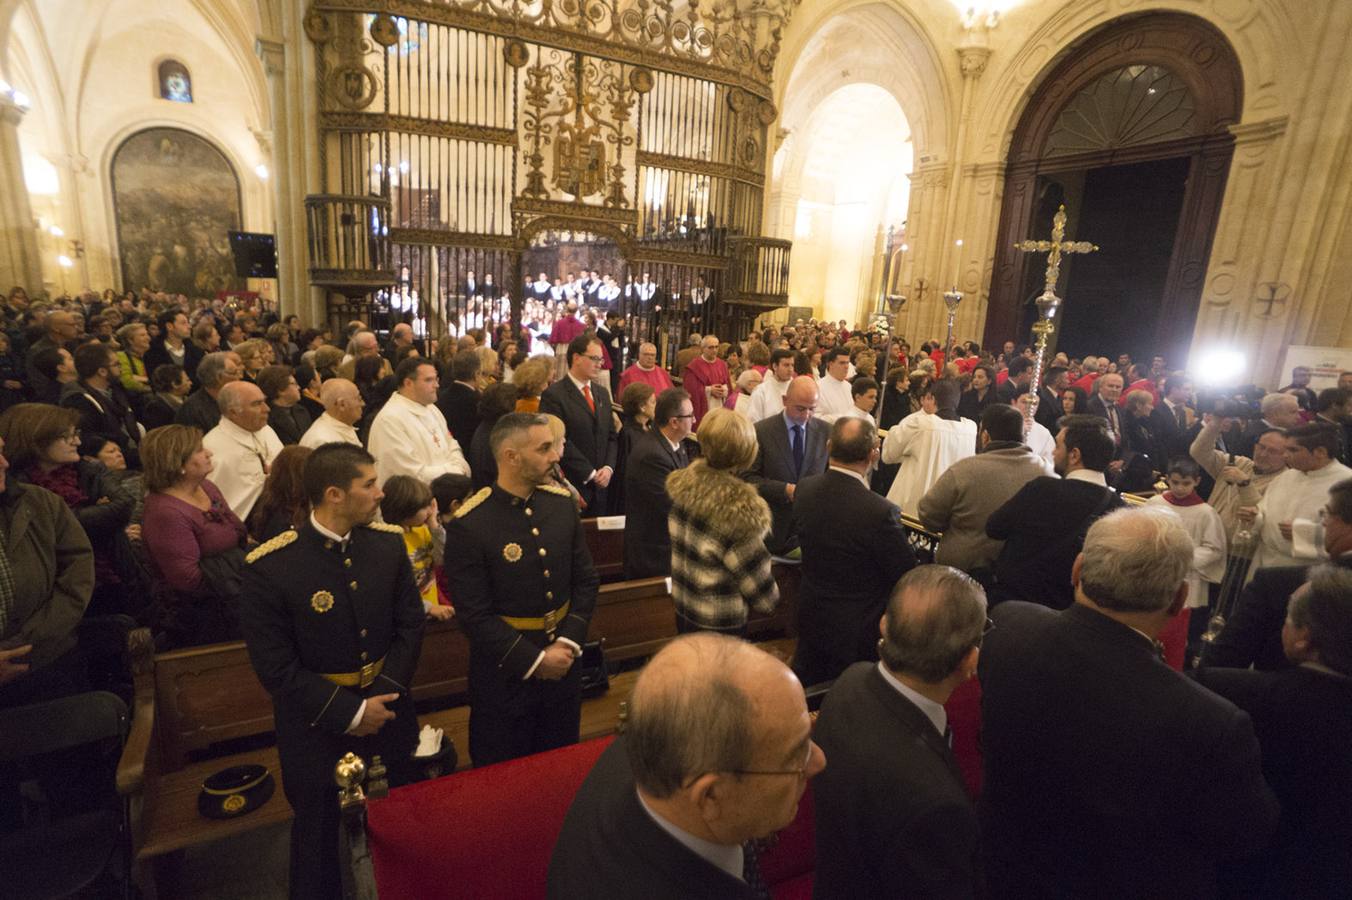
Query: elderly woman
[
  {"x": 43, "y": 447},
  {"x": 1138, "y": 444},
  {"x": 326, "y": 361},
  {"x": 531, "y": 378},
  {"x": 285, "y": 414},
  {"x": 134, "y": 340},
  {"x": 254, "y": 355},
  {"x": 192, "y": 538},
  {"x": 739, "y": 401},
  {"x": 638, "y": 404},
  {"x": 720, "y": 569}
]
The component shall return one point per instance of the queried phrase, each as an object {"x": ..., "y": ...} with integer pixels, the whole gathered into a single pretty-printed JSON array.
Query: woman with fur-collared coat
[{"x": 720, "y": 568}]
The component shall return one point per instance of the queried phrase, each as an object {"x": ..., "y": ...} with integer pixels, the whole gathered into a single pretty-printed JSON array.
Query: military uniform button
[
  {"x": 363, "y": 632},
  {"x": 347, "y": 563},
  {"x": 544, "y": 552},
  {"x": 549, "y": 595},
  {"x": 546, "y": 573},
  {"x": 528, "y": 511},
  {"x": 363, "y": 656},
  {"x": 535, "y": 531},
  {"x": 352, "y": 585},
  {"x": 328, "y": 545}
]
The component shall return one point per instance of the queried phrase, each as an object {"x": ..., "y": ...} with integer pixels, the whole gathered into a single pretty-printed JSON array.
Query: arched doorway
[{"x": 1131, "y": 131}]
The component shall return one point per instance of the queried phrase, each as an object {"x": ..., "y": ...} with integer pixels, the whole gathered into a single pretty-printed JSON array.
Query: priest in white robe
[
  {"x": 768, "y": 399},
  {"x": 926, "y": 443},
  {"x": 409, "y": 435},
  {"x": 1288, "y": 516}
]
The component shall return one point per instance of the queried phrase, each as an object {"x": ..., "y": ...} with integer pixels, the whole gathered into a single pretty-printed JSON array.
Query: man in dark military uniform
[
  {"x": 333, "y": 622},
  {"x": 524, "y": 589}
]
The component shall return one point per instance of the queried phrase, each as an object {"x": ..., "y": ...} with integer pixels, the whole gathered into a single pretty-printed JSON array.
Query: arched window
[{"x": 174, "y": 81}]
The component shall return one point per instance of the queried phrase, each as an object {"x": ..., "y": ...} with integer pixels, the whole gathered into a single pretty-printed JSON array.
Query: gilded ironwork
[
  {"x": 446, "y": 237},
  {"x": 529, "y": 205},
  {"x": 700, "y": 167},
  {"x": 736, "y": 38},
  {"x": 378, "y": 122}
]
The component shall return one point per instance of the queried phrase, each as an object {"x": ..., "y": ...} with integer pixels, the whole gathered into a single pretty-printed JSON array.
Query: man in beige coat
[{"x": 966, "y": 494}]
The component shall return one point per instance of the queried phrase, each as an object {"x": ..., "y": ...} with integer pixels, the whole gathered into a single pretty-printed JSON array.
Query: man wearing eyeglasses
[
  {"x": 658, "y": 453},
  {"x": 674, "y": 807},
  {"x": 891, "y": 813},
  {"x": 584, "y": 406}
]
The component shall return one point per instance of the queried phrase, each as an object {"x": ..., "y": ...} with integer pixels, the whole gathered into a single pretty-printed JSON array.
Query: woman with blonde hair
[
  {"x": 720, "y": 569},
  {"x": 252, "y": 355},
  {"x": 531, "y": 378},
  {"x": 134, "y": 340}
]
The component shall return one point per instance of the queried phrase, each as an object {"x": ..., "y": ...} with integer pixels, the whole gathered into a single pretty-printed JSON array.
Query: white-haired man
[
  {"x": 243, "y": 445},
  {"x": 1107, "y": 773}
]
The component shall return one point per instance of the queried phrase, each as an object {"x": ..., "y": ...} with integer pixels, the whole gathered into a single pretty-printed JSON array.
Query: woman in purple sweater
[{"x": 192, "y": 539}]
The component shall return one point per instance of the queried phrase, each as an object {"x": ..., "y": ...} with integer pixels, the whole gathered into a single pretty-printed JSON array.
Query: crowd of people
[{"x": 221, "y": 474}]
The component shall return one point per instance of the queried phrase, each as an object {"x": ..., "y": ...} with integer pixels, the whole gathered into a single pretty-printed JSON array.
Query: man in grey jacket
[{"x": 966, "y": 494}]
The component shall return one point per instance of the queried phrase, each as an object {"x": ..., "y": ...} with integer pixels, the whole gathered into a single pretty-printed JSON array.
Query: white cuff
[
  {"x": 535, "y": 665},
  {"x": 356, "y": 720},
  {"x": 571, "y": 645}
]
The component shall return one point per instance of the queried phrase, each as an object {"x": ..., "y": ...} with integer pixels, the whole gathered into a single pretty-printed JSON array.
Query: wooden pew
[
  {"x": 607, "y": 550},
  {"x": 189, "y": 700}
]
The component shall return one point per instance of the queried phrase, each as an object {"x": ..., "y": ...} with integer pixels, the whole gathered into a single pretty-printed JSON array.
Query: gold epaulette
[
  {"x": 468, "y": 506},
  {"x": 277, "y": 543},
  {"x": 554, "y": 489},
  {"x": 385, "y": 526}
]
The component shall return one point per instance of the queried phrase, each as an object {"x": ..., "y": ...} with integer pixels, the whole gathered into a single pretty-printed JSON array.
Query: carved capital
[
  {"x": 973, "y": 60},
  {"x": 273, "y": 55}
]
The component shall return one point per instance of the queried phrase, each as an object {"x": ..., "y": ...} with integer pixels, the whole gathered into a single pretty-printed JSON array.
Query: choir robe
[
  {"x": 834, "y": 399},
  {"x": 925, "y": 445}
]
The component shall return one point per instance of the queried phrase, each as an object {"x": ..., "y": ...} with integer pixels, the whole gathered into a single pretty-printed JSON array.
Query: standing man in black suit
[
  {"x": 716, "y": 752},
  {"x": 1252, "y": 635},
  {"x": 459, "y": 400},
  {"x": 891, "y": 812},
  {"x": 1044, "y": 524},
  {"x": 1303, "y": 718},
  {"x": 1020, "y": 378},
  {"x": 584, "y": 407},
  {"x": 791, "y": 447},
  {"x": 658, "y": 453},
  {"x": 1169, "y": 421},
  {"x": 854, "y": 550},
  {"x": 1107, "y": 388},
  {"x": 1049, "y": 410},
  {"x": 333, "y": 623},
  {"x": 1107, "y": 773}
]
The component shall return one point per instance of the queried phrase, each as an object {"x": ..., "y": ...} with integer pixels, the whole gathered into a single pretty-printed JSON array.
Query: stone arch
[{"x": 1196, "y": 54}]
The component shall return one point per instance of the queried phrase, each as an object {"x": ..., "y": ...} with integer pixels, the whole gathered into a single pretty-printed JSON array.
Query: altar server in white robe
[
  {"x": 768, "y": 399},
  {"x": 1287, "y": 518},
  {"x": 1203, "y": 524},
  {"x": 1035, "y": 435},
  {"x": 926, "y": 443},
  {"x": 836, "y": 399}
]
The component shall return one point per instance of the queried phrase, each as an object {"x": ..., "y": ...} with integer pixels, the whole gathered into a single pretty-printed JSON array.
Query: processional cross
[{"x": 1048, "y": 303}]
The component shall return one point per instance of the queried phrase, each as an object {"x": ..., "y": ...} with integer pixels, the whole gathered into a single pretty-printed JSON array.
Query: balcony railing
[
  {"x": 349, "y": 243},
  {"x": 760, "y": 271}
]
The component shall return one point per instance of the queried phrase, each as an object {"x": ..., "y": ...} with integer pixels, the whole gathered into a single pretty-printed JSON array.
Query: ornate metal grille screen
[{"x": 487, "y": 124}]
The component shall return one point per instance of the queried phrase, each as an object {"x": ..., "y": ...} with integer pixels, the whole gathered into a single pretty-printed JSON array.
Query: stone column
[
  {"x": 20, "y": 263},
  {"x": 288, "y": 193}
]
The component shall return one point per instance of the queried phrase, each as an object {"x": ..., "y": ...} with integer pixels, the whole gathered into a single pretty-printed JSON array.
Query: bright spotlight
[
  {"x": 262, "y": 171},
  {"x": 1220, "y": 367}
]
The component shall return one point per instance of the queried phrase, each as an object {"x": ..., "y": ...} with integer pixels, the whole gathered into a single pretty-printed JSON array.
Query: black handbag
[{"x": 592, "y": 665}]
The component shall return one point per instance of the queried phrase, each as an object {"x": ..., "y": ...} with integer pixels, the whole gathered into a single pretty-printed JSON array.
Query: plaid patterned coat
[{"x": 719, "y": 565}]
